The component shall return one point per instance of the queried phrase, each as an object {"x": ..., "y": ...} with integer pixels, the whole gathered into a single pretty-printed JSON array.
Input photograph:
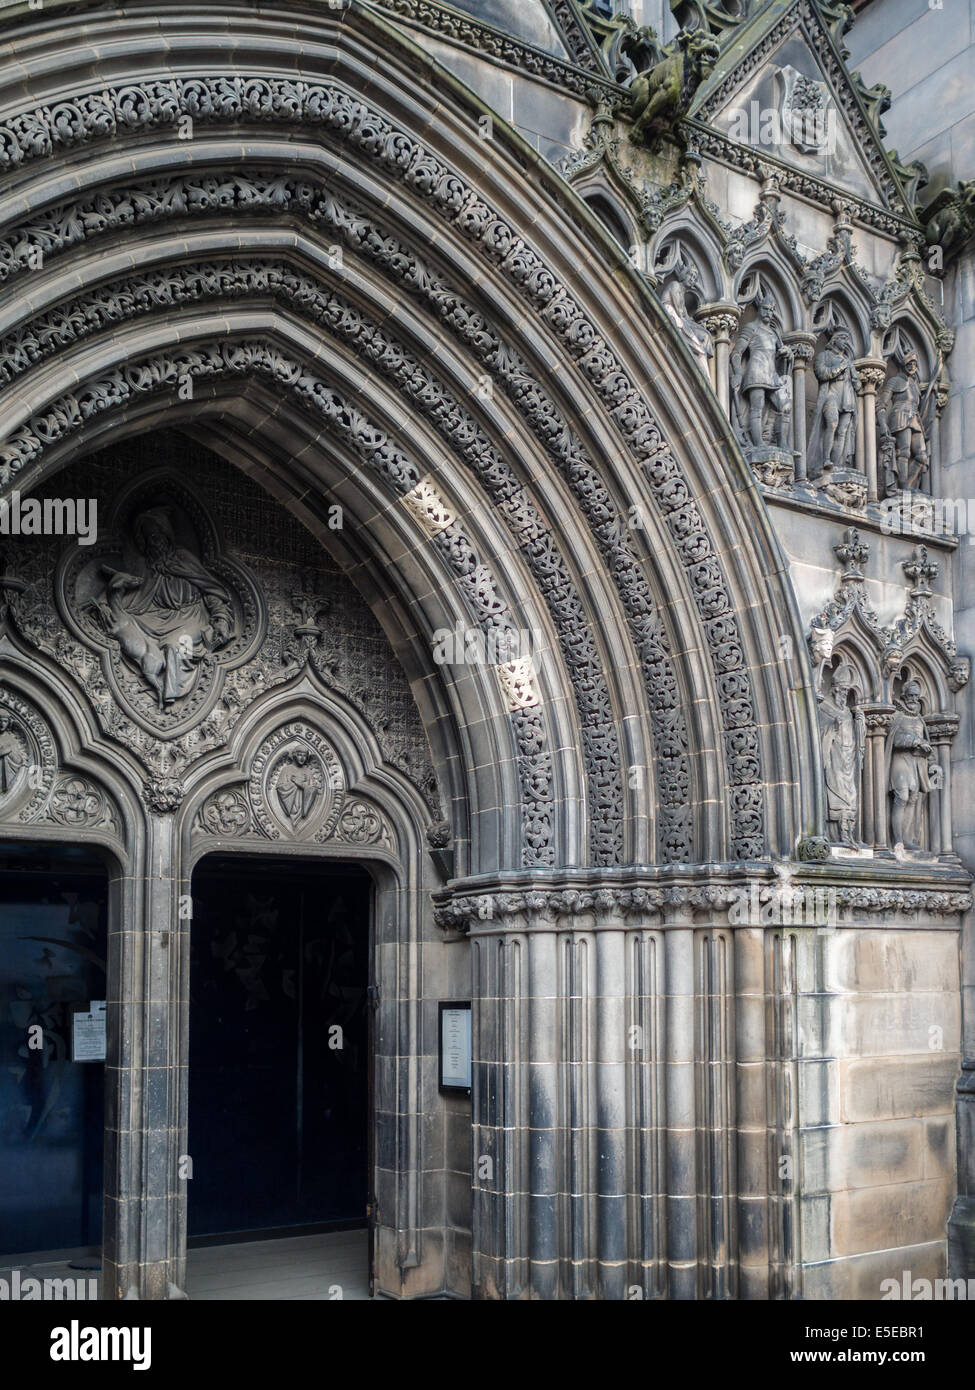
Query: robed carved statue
[
  {"x": 844, "y": 739},
  {"x": 13, "y": 755},
  {"x": 674, "y": 300},
  {"x": 168, "y": 617}
]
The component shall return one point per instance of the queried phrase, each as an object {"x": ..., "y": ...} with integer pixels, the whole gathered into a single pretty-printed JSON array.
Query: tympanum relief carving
[
  {"x": 167, "y": 611},
  {"x": 171, "y": 636},
  {"x": 296, "y": 792},
  {"x": 33, "y": 787},
  {"x": 296, "y": 785}
]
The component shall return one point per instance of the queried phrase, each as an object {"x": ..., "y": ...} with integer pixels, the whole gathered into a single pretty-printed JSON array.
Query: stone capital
[
  {"x": 872, "y": 372},
  {"x": 720, "y": 319}
]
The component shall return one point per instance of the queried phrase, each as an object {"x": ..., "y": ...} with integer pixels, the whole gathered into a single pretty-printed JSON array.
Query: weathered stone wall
[
  {"x": 879, "y": 1042},
  {"x": 926, "y": 56}
]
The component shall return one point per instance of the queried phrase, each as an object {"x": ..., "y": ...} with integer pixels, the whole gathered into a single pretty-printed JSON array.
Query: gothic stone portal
[{"x": 256, "y": 706}]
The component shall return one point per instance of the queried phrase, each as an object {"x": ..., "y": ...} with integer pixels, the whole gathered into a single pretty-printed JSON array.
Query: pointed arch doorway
[{"x": 280, "y": 1110}]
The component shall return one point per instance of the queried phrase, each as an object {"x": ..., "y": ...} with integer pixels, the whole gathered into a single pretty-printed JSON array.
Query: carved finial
[
  {"x": 921, "y": 572},
  {"x": 853, "y": 553}
]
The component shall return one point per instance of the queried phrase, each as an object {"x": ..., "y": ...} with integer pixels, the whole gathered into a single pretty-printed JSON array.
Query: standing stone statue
[
  {"x": 903, "y": 447},
  {"x": 762, "y": 395},
  {"x": 844, "y": 735},
  {"x": 833, "y": 435},
  {"x": 674, "y": 300},
  {"x": 910, "y": 772}
]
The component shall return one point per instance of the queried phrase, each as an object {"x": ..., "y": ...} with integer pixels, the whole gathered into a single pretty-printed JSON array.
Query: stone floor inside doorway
[{"x": 291, "y": 1268}]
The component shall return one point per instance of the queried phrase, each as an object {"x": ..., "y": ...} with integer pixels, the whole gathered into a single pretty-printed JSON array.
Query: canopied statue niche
[
  {"x": 886, "y": 726},
  {"x": 761, "y": 386}
]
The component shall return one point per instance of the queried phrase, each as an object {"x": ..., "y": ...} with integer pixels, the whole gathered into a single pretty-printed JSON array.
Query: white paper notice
[
  {"x": 456, "y": 1057},
  {"x": 88, "y": 1033}
]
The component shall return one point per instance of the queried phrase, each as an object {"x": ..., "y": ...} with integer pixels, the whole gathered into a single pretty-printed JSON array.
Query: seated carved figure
[
  {"x": 169, "y": 616},
  {"x": 662, "y": 93}
]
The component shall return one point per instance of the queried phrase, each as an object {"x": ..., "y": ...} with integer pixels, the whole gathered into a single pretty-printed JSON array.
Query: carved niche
[{"x": 162, "y": 604}]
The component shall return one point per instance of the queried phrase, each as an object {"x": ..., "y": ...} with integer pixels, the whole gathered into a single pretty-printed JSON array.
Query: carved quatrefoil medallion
[
  {"x": 163, "y": 604},
  {"x": 296, "y": 786}
]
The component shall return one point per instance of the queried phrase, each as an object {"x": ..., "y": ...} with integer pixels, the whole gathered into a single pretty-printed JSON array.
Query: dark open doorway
[
  {"x": 279, "y": 1062},
  {"x": 53, "y": 961}
]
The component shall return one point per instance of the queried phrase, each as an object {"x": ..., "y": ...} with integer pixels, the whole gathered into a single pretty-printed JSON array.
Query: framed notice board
[{"x": 455, "y": 1047}]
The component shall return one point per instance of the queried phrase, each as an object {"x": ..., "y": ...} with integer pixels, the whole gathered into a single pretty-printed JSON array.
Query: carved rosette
[
  {"x": 79, "y": 805},
  {"x": 364, "y": 824},
  {"x": 225, "y": 814}
]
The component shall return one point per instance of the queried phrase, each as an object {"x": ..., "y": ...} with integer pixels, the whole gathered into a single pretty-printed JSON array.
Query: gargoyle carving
[{"x": 661, "y": 94}]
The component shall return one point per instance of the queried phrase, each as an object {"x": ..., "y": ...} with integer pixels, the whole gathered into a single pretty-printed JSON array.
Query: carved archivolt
[
  {"x": 371, "y": 134},
  {"x": 376, "y": 451},
  {"x": 322, "y": 305}
]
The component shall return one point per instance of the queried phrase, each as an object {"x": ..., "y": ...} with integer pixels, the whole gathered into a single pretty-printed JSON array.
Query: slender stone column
[
  {"x": 145, "y": 1236},
  {"x": 611, "y": 1128},
  {"x": 721, "y": 320},
  {"x": 802, "y": 345},
  {"x": 752, "y": 1117},
  {"x": 871, "y": 371},
  {"x": 681, "y": 1141},
  {"x": 942, "y": 729},
  {"x": 941, "y": 393},
  {"x": 878, "y": 719}
]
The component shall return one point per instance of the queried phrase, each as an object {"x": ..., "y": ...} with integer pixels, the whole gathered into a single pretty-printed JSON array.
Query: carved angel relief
[
  {"x": 162, "y": 604},
  {"x": 296, "y": 791}
]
